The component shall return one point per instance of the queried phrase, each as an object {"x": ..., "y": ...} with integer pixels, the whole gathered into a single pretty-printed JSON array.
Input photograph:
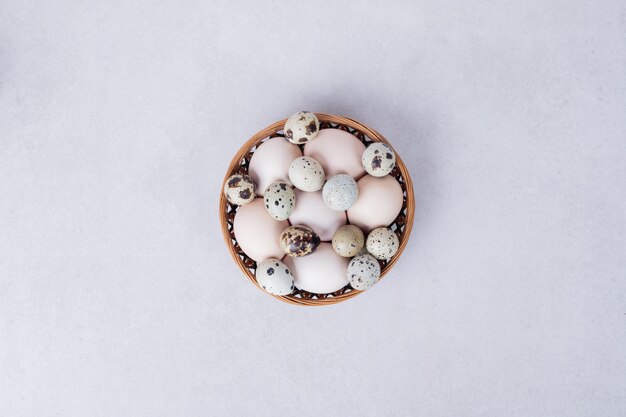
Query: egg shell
[
  {"x": 382, "y": 243},
  {"x": 378, "y": 159},
  {"x": 348, "y": 240},
  {"x": 257, "y": 233},
  {"x": 239, "y": 189},
  {"x": 363, "y": 272},
  {"x": 338, "y": 151},
  {"x": 340, "y": 192},
  {"x": 311, "y": 211},
  {"x": 279, "y": 200},
  {"x": 274, "y": 277},
  {"x": 299, "y": 240},
  {"x": 322, "y": 272},
  {"x": 302, "y": 127},
  {"x": 378, "y": 204},
  {"x": 271, "y": 161},
  {"x": 306, "y": 174}
]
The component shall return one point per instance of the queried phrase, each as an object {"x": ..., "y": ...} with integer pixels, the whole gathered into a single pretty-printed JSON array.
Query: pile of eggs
[{"x": 314, "y": 209}]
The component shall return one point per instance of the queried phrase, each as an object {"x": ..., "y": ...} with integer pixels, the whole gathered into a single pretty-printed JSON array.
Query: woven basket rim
[{"x": 275, "y": 129}]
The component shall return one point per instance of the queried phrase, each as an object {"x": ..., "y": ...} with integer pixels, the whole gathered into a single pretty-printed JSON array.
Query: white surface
[{"x": 117, "y": 296}]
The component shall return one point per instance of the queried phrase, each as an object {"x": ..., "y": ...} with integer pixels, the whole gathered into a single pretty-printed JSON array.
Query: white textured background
[{"x": 117, "y": 295}]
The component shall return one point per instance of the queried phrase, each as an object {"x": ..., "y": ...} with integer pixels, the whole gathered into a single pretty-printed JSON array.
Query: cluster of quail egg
[{"x": 339, "y": 193}]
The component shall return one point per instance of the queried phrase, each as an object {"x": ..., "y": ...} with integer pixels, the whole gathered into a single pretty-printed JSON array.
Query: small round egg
[
  {"x": 279, "y": 200},
  {"x": 274, "y": 277},
  {"x": 270, "y": 162},
  {"x": 340, "y": 192},
  {"x": 302, "y": 127},
  {"x": 338, "y": 151},
  {"x": 382, "y": 243},
  {"x": 378, "y": 204},
  {"x": 239, "y": 189},
  {"x": 306, "y": 174},
  {"x": 363, "y": 272},
  {"x": 299, "y": 241},
  {"x": 378, "y": 159},
  {"x": 321, "y": 272},
  {"x": 348, "y": 240}
]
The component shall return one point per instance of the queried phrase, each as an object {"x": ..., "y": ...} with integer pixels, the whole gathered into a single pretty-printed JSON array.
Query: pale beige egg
[{"x": 348, "y": 240}]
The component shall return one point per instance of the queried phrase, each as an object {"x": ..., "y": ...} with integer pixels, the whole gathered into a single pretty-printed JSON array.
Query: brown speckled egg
[
  {"x": 379, "y": 159},
  {"x": 299, "y": 241},
  {"x": 348, "y": 240},
  {"x": 311, "y": 211},
  {"x": 239, "y": 189},
  {"x": 382, "y": 243},
  {"x": 302, "y": 127}
]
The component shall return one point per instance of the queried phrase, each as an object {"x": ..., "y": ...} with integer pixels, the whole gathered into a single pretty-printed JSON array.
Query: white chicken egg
[
  {"x": 306, "y": 174},
  {"x": 378, "y": 204},
  {"x": 321, "y": 272},
  {"x": 270, "y": 162},
  {"x": 257, "y": 233},
  {"x": 338, "y": 151},
  {"x": 311, "y": 211}
]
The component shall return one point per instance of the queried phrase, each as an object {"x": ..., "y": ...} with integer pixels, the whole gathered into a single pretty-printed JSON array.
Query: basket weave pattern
[{"x": 239, "y": 165}]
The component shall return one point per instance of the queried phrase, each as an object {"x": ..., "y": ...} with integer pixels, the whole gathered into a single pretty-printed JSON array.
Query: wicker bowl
[{"x": 239, "y": 165}]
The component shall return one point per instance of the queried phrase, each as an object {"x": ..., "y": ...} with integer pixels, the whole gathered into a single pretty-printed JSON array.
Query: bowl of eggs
[{"x": 316, "y": 208}]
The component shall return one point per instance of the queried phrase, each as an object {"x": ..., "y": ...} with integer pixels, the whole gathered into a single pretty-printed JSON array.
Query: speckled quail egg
[
  {"x": 239, "y": 189},
  {"x": 382, "y": 243},
  {"x": 348, "y": 240},
  {"x": 279, "y": 200},
  {"x": 363, "y": 272},
  {"x": 378, "y": 159},
  {"x": 340, "y": 192},
  {"x": 302, "y": 127},
  {"x": 274, "y": 277},
  {"x": 299, "y": 241},
  {"x": 306, "y": 174}
]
